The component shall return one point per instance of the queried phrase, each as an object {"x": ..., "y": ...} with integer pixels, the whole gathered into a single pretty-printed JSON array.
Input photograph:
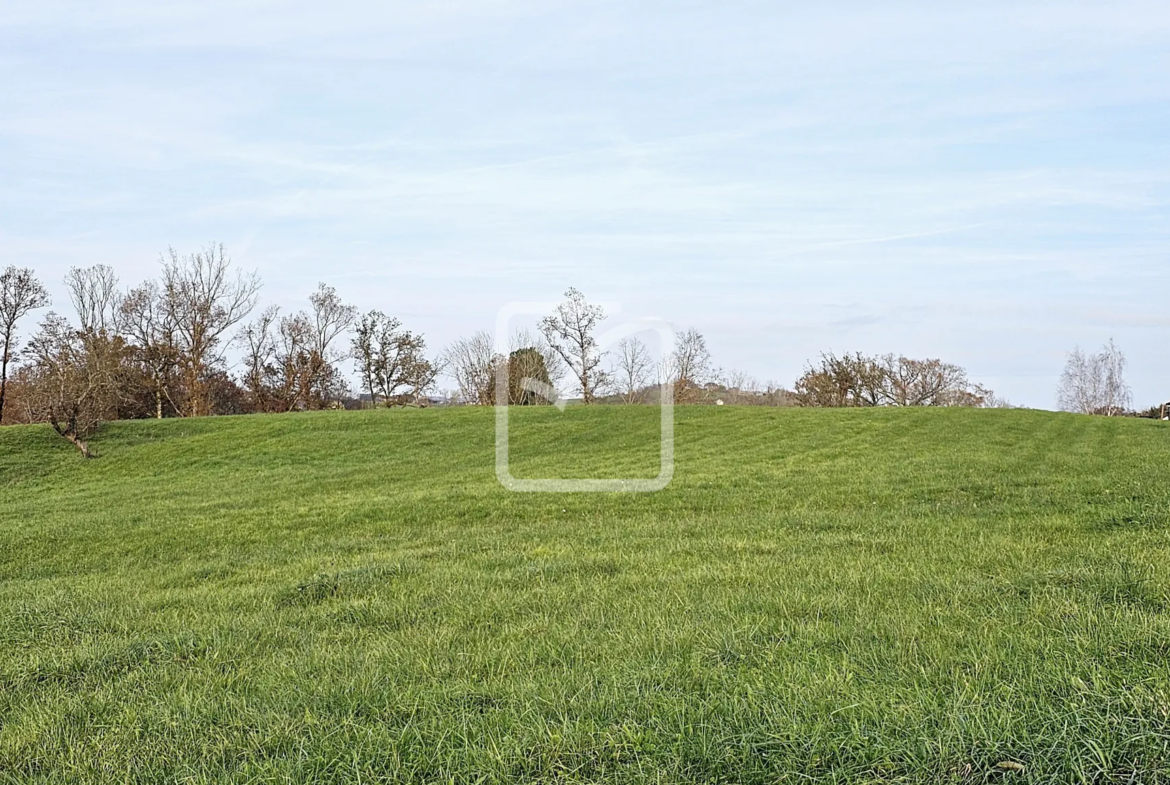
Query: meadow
[{"x": 818, "y": 596}]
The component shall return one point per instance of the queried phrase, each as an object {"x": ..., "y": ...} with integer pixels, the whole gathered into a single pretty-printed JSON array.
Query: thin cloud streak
[{"x": 984, "y": 183}]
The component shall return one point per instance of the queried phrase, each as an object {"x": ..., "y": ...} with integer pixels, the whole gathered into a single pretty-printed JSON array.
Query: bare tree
[
  {"x": 149, "y": 325},
  {"x": 98, "y": 302},
  {"x": 570, "y": 331},
  {"x": 330, "y": 318},
  {"x": 298, "y": 364},
  {"x": 909, "y": 382},
  {"x": 289, "y": 361},
  {"x": 635, "y": 368},
  {"x": 71, "y": 383},
  {"x": 1094, "y": 383},
  {"x": 475, "y": 365},
  {"x": 96, "y": 298},
  {"x": 469, "y": 361},
  {"x": 1080, "y": 384},
  {"x": 861, "y": 380},
  {"x": 550, "y": 361},
  {"x": 205, "y": 300},
  {"x": 740, "y": 387},
  {"x": 390, "y": 360},
  {"x": 259, "y": 346},
  {"x": 689, "y": 366},
  {"x": 993, "y": 401},
  {"x": 20, "y": 294},
  {"x": 1118, "y": 397},
  {"x": 309, "y": 357}
]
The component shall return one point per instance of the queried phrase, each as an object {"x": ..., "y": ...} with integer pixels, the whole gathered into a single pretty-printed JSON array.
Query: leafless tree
[
  {"x": 96, "y": 298},
  {"x": 306, "y": 352},
  {"x": 550, "y": 360},
  {"x": 910, "y": 382},
  {"x": 149, "y": 326},
  {"x": 330, "y": 318},
  {"x": 290, "y": 361},
  {"x": 1080, "y": 384},
  {"x": 740, "y": 387},
  {"x": 391, "y": 361},
  {"x": 298, "y": 365},
  {"x": 635, "y": 368},
  {"x": 1095, "y": 383},
  {"x": 1118, "y": 397},
  {"x": 475, "y": 365},
  {"x": 689, "y": 366},
  {"x": 861, "y": 380},
  {"x": 993, "y": 401},
  {"x": 71, "y": 383},
  {"x": 205, "y": 300},
  {"x": 570, "y": 331},
  {"x": 20, "y": 294},
  {"x": 259, "y": 345},
  {"x": 469, "y": 361}
]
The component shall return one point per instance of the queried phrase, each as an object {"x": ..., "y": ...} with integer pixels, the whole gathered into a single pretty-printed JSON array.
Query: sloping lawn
[{"x": 837, "y": 596}]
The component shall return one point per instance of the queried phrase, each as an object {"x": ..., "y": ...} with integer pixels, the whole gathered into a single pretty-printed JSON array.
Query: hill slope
[{"x": 873, "y": 595}]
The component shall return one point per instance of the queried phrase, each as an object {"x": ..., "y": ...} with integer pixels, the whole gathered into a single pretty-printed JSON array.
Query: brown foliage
[
  {"x": 889, "y": 380},
  {"x": 391, "y": 361},
  {"x": 71, "y": 382},
  {"x": 20, "y": 294},
  {"x": 290, "y": 362}
]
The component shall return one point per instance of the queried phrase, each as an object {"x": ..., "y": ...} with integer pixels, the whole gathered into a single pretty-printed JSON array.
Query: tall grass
[{"x": 831, "y": 596}]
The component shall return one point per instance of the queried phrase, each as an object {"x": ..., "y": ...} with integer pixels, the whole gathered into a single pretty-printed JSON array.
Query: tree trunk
[
  {"x": 79, "y": 444},
  {"x": 3, "y": 381},
  {"x": 70, "y": 435}
]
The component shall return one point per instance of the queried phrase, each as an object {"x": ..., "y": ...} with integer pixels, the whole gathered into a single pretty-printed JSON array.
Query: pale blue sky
[{"x": 990, "y": 185}]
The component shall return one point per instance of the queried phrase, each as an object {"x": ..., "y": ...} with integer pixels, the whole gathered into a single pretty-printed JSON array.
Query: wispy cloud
[{"x": 988, "y": 182}]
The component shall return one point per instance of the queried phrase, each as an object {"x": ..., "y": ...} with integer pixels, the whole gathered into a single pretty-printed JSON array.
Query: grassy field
[{"x": 837, "y": 596}]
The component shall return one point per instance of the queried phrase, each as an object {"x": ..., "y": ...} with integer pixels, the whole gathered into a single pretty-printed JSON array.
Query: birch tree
[
  {"x": 471, "y": 363},
  {"x": 1095, "y": 383}
]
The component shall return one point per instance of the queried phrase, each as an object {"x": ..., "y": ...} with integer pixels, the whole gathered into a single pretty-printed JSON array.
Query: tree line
[{"x": 159, "y": 350}]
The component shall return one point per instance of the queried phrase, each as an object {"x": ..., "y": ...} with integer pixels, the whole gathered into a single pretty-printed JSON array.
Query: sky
[{"x": 988, "y": 184}]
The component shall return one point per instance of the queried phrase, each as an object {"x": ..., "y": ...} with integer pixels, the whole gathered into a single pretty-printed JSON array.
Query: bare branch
[
  {"x": 205, "y": 300},
  {"x": 634, "y": 369},
  {"x": 570, "y": 333},
  {"x": 20, "y": 294},
  {"x": 95, "y": 296}
]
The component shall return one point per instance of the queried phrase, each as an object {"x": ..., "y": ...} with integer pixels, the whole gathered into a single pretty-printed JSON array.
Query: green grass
[{"x": 839, "y": 596}]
